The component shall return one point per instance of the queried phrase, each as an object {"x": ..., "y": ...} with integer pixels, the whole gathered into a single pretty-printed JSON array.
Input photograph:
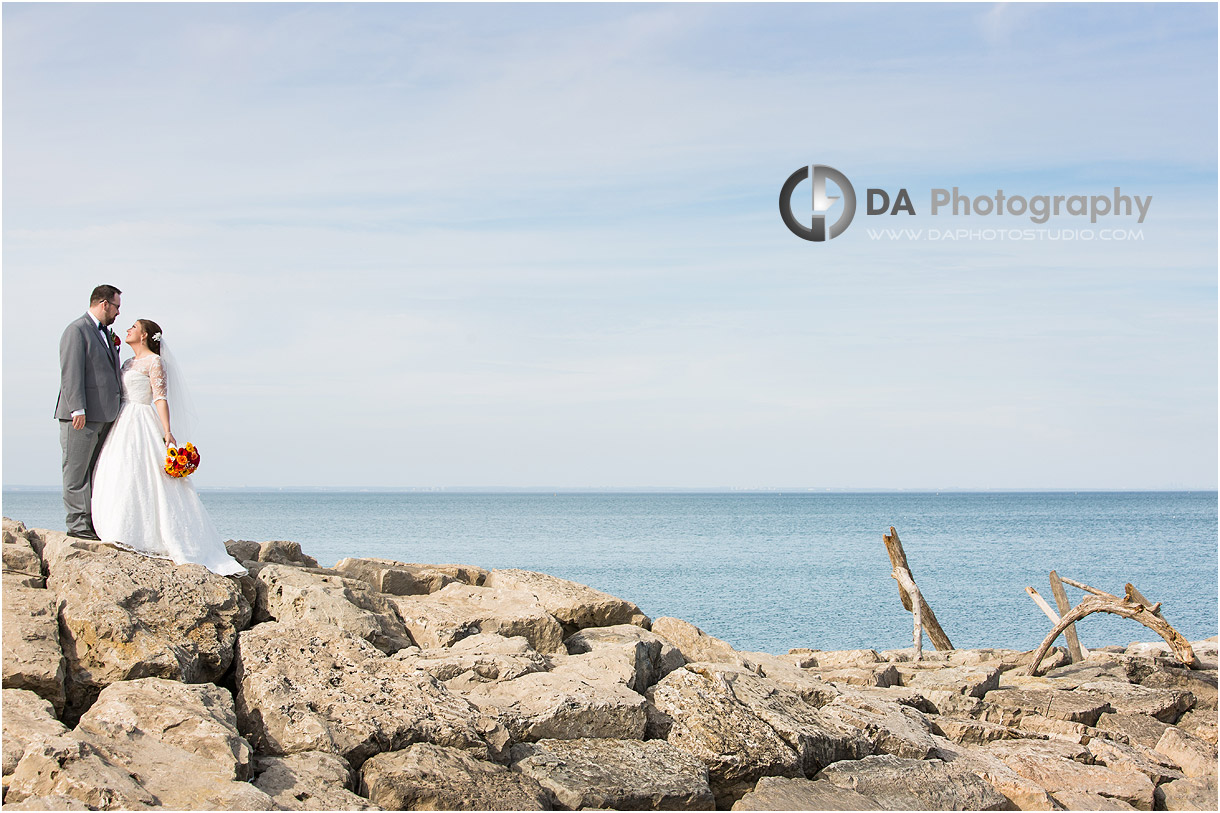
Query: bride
[{"x": 135, "y": 503}]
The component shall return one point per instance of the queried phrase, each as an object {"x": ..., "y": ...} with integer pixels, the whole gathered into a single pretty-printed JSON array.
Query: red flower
[{"x": 115, "y": 339}]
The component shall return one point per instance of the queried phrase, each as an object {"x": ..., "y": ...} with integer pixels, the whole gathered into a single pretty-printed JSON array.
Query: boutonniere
[{"x": 114, "y": 337}]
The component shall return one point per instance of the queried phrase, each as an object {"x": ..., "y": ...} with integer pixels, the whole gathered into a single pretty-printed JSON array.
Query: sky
[{"x": 539, "y": 245}]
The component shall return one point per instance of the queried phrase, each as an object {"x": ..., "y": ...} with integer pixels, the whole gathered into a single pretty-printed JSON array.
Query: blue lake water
[{"x": 769, "y": 572}]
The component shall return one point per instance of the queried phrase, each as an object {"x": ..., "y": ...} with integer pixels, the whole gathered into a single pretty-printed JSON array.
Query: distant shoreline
[{"x": 26, "y": 489}]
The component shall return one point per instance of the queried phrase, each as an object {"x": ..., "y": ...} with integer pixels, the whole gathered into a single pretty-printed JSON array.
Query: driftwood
[
  {"x": 1087, "y": 589},
  {"x": 1127, "y": 607},
  {"x": 898, "y": 561},
  {"x": 1138, "y": 597},
  {"x": 1041, "y": 602},
  {"x": 903, "y": 577},
  {"x": 1051, "y": 614},
  {"x": 1069, "y": 634}
]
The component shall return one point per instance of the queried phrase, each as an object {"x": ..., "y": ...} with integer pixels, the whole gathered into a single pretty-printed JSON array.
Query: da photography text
[{"x": 1038, "y": 208}]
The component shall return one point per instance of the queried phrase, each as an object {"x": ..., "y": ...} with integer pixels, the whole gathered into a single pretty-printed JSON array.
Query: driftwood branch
[
  {"x": 911, "y": 592},
  {"x": 1069, "y": 634},
  {"x": 1041, "y": 602},
  {"x": 1136, "y": 597},
  {"x": 1088, "y": 589},
  {"x": 898, "y": 559},
  {"x": 1107, "y": 603},
  {"x": 1051, "y": 614}
]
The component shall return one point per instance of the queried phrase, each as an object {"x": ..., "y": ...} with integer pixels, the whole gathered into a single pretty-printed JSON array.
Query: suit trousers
[{"x": 81, "y": 448}]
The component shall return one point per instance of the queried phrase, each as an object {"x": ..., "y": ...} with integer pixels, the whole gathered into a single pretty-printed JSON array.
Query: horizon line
[{"x": 659, "y": 490}]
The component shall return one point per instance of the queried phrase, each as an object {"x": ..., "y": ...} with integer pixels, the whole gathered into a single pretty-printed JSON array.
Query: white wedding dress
[{"x": 135, "y": 503}]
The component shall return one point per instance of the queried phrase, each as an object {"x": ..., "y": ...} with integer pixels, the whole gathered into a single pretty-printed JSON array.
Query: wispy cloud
[{"x": 539, "y": 244}]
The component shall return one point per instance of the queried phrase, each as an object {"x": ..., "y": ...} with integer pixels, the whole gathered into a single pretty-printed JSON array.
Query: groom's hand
[{"x": 78, "y": 422}]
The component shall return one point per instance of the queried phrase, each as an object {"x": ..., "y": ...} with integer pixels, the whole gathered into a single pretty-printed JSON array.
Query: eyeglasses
[{"x": 112, "y": 304}]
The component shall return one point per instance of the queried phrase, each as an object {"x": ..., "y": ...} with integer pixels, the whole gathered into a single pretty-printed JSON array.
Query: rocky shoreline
[{"x": 132, "y": 683}]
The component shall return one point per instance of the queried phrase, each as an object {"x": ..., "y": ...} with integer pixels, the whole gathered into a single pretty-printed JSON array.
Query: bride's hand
[{"x": 169, "y": 440}]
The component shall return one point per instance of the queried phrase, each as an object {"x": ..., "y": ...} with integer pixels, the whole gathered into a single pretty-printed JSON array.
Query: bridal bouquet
[{"x": 182, "y": 461}]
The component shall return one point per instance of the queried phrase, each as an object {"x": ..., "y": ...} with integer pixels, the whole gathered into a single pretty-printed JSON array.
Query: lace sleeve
[{"x": 156, "y": 376}]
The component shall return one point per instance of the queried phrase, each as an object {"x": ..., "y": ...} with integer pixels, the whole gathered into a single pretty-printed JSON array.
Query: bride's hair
[{"x": 154, "y": 334}]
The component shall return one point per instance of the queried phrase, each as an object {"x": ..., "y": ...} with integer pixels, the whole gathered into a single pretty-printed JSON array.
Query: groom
[{"x": 88, "y": 401}]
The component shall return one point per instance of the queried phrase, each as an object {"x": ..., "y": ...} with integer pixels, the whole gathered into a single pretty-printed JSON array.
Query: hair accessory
[{"x": 156, "y": 337}]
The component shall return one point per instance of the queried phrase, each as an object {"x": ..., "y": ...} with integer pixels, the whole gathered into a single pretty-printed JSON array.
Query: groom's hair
[{"x": 103, "y": 293}]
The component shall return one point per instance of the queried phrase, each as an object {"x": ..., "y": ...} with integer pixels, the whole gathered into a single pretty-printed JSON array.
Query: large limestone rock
[
  {"x": 1133, "y": 758},
  {"x": 32, "y": 656},
  {"x": 966, "y": 731},
  {"x": 55, "y": 802},
  {"x": 912, "y": 784},
  {"x": 460, "y": 610},
  {"x": 323, "y": 690},
  {"x": 847, "y": 658},
  {"x": 1201, "y": 684},
  {"x": 433, "y": 777},
  {"x": 180, "y": 740},
  {"x": 1197, "y": 758},
  {"x": 1002, "y": 659},
  {"x": 1006, "y": 706},
  {"x": 1036, "y": 725},
  {"x": 881, "y": 676},
  {"x": 782, "y": 671},
  {"x": 1205, "y": 651},
  {"x": 1083, "y": 800},
  {"x": 1054, "y": 766},
  {"x": 694, "y": 643},
  {"x": 309, "y": 780},
  {"x": 303, "y": 598},
  {"x": 616, "y": 774},
  {"x": 664, "y": 656},
  {"x": 70, "y": 767},
  {"x": 1099, "y": 666},
  {"x": 1022, "y": 793},
  {"x": 22, "y": 564},
  {"x": 280, "y": 552},
  {"x": 1187, "y": 794},
  {"x": 124, "y": 616},
  {"x": 28, "y": 720},
  {"x": 1165, "y": 705},
  {"x": 972, "y": 681},
  {"x": 818, "y": 738},
  {"x": 1142, "y": 729},
  {"x": 243, "y": 550},
  {"x": 402, "y": 579},
  {"x": 482, "y": 658},
  {"x": 781, "y": 793},
  {"x": 628, "y": 664},
  {"x": 888, "y": 728},
  {"x": 929, "y": 701},
  {"x": 699, "y": 713},
  {"x": 562, "y": 704},
  {"x": 1199, "y": 723},
  {"x": 575, "y": 605}
]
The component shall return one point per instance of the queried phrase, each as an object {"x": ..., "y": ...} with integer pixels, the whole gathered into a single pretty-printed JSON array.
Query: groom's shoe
[{"x": 86, "y": 534}]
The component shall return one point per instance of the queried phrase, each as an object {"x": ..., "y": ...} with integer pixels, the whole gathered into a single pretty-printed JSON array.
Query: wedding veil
[{"x": 183, "y": 418}]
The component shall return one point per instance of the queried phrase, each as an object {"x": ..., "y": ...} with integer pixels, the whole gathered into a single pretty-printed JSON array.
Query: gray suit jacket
[{"x": 88, "y": 373}]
